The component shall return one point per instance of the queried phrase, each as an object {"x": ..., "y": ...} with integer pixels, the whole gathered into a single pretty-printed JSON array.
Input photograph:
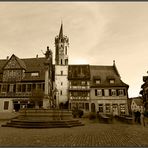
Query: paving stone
[{"x": 92, "y": 134}]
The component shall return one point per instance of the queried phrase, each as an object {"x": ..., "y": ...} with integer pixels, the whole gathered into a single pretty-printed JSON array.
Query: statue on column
[{"x": 48, "y": 53}]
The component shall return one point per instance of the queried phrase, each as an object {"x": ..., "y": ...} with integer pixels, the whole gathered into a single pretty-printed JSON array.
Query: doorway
[{"x": 93, "y": 108}]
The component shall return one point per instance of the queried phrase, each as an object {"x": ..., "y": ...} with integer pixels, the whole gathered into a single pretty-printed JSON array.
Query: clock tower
[{"x": 61, "y": 67}]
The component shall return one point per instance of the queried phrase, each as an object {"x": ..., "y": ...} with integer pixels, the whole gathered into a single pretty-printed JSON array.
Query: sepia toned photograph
[{"x": 73, "y": 74}]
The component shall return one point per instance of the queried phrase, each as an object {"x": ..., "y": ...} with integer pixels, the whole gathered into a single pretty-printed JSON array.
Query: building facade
[
  {"x": 91, "y": 88},
  {"x": 137, "y": 104}
]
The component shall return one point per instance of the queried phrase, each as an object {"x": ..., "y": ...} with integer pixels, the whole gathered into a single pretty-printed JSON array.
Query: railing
[
  {"x": 14, "y": 94},
  {"x": 79, "y": 98},
  {"x": 79, "y": 87}
]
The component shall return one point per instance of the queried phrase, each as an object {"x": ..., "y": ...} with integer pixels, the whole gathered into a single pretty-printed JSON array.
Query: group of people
[{"x": 139, "y": 118}]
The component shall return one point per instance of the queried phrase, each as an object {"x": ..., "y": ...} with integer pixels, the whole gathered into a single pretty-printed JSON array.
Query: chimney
[
  {"x": 7, "y": 57},
  {"x": 37, "y": 56}
]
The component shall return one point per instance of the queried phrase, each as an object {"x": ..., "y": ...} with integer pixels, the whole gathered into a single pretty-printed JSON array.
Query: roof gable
[
  {"x": 137, "y": 101},
  {"x": 14, "y": 63},
  {"x": 105, "y": 74}
]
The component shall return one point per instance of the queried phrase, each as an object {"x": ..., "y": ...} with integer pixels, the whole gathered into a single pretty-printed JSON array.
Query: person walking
[{"x": 142, "y": 119}]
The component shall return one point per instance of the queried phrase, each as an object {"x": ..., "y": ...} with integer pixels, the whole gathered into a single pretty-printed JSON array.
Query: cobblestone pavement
[{"x": 92, "y": 134}]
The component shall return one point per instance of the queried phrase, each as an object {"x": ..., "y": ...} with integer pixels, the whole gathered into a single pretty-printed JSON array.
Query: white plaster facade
[
  {"x": 6, "y": 105},
  {"x": 61, "y": 82}
]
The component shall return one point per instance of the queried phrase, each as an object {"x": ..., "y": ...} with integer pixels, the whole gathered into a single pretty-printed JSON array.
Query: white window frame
[
  {"x": 35, "y": 74},
  {"x": 98, "y": 81},
  {"x": 111, "y": 81},
  {"x": 113, "y": 92}
]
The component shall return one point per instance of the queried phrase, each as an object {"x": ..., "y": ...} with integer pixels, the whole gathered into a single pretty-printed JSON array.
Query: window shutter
[
  {"x": 95, "y": 92},
  {"x": 117, "y": 92},
  {"x": 109, "y": 92},
  {"x": 124, "y": 92},
  {"x": 102, "y": 92}
]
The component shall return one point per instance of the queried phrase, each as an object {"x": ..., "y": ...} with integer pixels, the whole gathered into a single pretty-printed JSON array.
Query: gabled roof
[
  {"x": 30, "y": 65},
  {"x": 19, "y": 62},
  {"x": 138, "y": 101},
  {"x": 105, "y": 73}
]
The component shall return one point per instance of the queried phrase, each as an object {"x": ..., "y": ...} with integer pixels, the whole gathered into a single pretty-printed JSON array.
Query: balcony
[
  {"x": 79, "y": 98},
  {"x": 15, "y": 94},
  {"x": 79, "y": 88}
]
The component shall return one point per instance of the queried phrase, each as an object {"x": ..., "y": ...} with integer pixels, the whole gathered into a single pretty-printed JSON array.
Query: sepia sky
[{"x": 99, "y": 32}]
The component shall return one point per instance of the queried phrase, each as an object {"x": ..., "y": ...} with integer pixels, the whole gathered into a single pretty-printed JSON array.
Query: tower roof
[{"x": 61, "y": 31}]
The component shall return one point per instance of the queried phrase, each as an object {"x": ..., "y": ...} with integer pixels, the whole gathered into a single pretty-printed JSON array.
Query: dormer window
[
  {"x": 111, "y": 81},
  {"x": 97, "y": 81},
  {"x": 35, "y": 74}
]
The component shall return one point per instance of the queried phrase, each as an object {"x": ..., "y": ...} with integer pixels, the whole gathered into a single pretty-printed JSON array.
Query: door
[{"x": 93, "y": 108}]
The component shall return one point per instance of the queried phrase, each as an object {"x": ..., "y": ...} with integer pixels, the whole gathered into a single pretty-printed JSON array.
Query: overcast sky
[{"x": 99, "y": 32}]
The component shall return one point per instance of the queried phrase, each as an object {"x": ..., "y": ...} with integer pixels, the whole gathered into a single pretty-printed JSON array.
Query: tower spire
[{"x": 61, "y": 31}]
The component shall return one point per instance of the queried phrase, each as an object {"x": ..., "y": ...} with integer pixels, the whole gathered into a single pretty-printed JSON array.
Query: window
[
  {"x": 113, "y": 92},
  {"x": 34, "y": 74},
  {"x": 66, "y": 61},
  {"x": 61, "y": 73},
  {"x": 4, "y": 88},
  {"x": 29, "y": 87},
  {"x": 61, "y": 92},
  {"x": 107, "y": 108},
  {"x": 11, "y": 88},
  {"x": 61, "y": 83},
  {"x": 98, "y": 81},
  {"x": 81, "y": 105},
  {"x": 87, "y": 106},
  {"x": 99, "y": 92},
  {"x": 122, "y": 108},
  {"x": 83, "y": 82},
  {"x": 100, "y": 107},
  {"x": 6, "y": 105},
  {"x": 61, "y": 62},
  {"x": 120, "y": 92},
  {"x": 112, "y": 81},
  {"x": 66, "y": 50},
  {"x": 23, "y": 87},
  {"x": 19, "y": 88},
  {"x": 34, "y": 86}
]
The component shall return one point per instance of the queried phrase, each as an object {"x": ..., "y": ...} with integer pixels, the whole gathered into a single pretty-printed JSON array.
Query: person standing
[{"x": 142, "y": 119}]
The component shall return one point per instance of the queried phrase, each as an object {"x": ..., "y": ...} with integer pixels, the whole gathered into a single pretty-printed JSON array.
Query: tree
[{"x": 37, "y": 97}]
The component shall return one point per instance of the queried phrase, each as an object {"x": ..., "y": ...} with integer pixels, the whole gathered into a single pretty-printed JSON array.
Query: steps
[
  {"x": 43, "y": 118},
  {"x": 19, "y": 123}
]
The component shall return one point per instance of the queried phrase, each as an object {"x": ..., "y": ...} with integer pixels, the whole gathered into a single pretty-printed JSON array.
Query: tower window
[
  {"x": 61, "y": 92},
  {"x": 66, "y": 50},
  {"x": 61, "y": 72},
  {"x": 66, "y": 62},
  {"x": 61, "y": 62}
]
